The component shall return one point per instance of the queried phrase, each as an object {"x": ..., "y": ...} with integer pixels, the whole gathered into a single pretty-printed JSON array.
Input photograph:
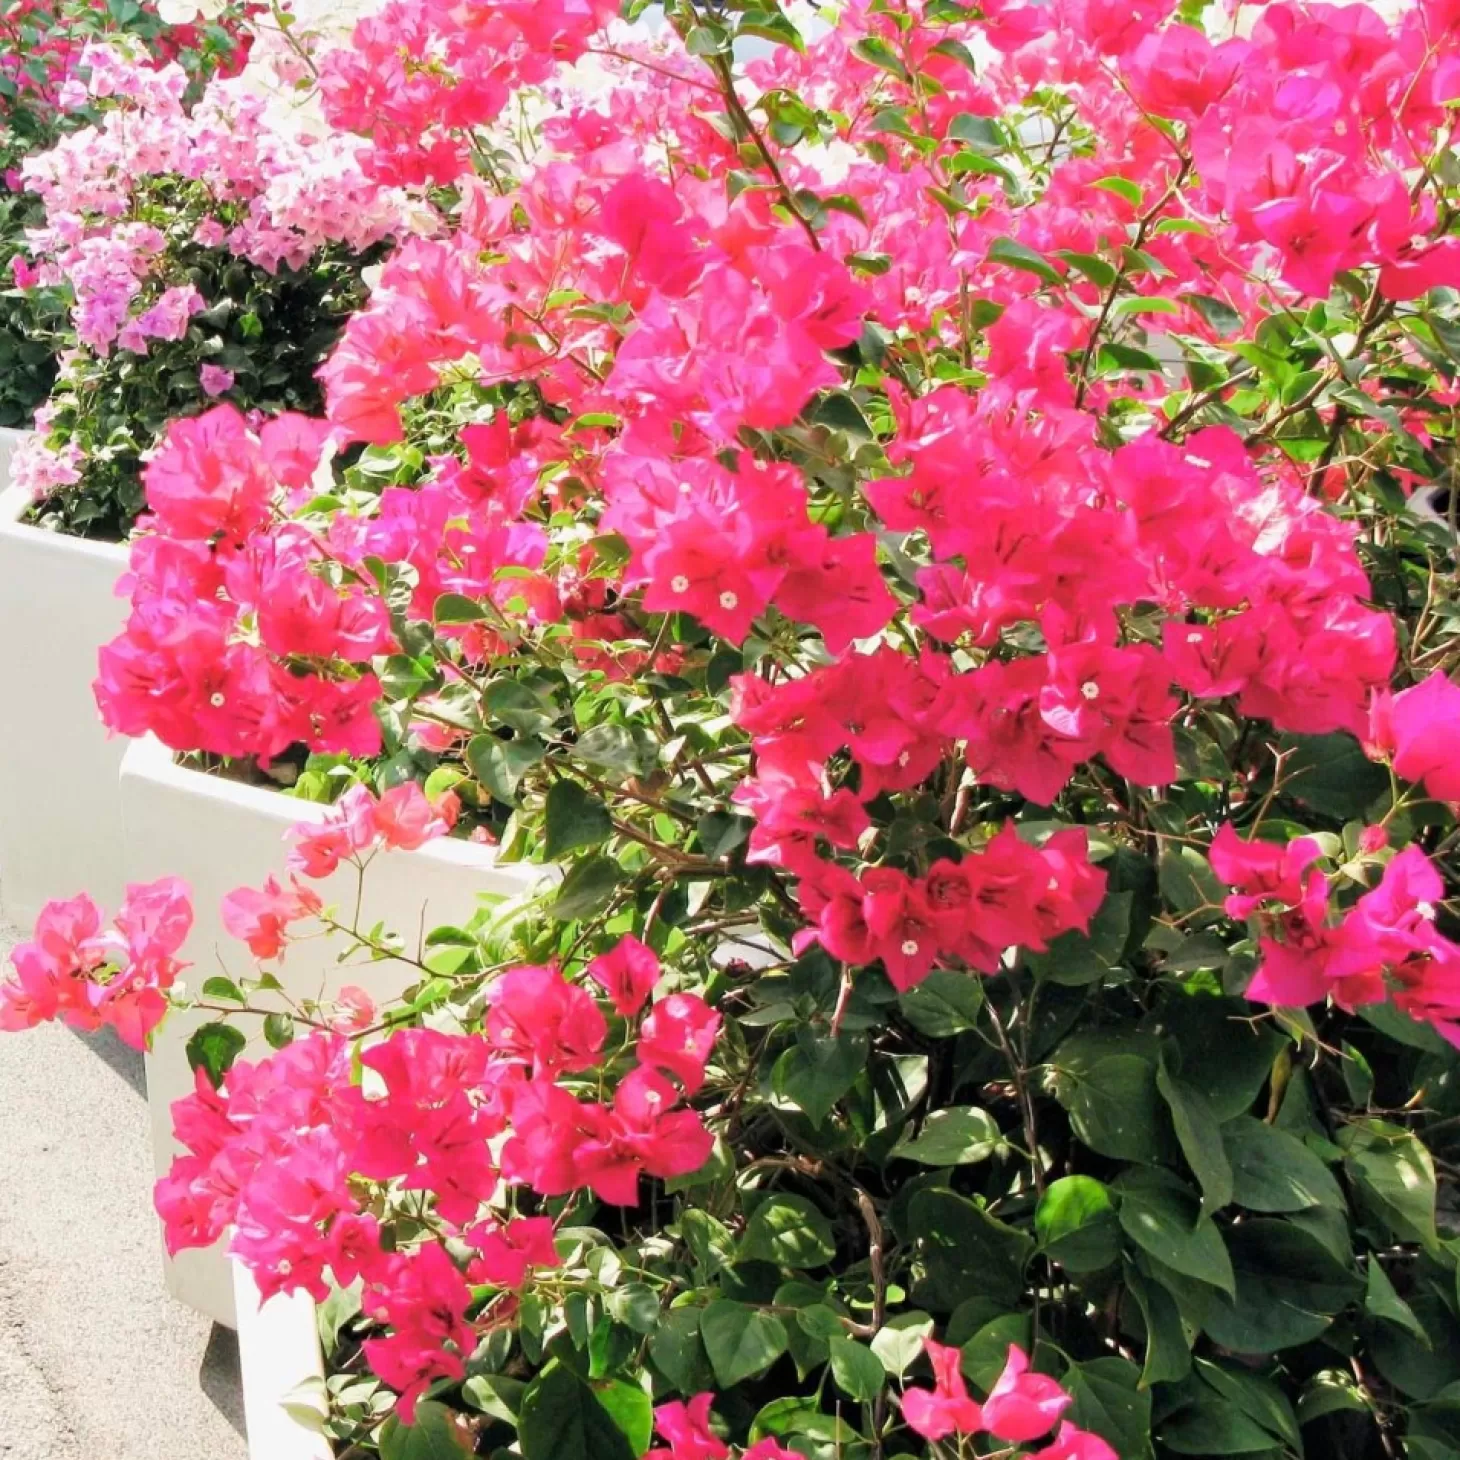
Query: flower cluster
[
  {"x": 290, "y": 1153},
  {"x": 185, "y": 669},
  {"x": 1022, "y": 1407},
  {"x": 269, "y": 193},
  {"x": 90, "y": 976}
]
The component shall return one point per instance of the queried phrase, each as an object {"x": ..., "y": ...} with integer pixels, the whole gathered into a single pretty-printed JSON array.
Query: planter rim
[
  {"x": 149, "y": 759},
  {"x": 15, "y": 502}
]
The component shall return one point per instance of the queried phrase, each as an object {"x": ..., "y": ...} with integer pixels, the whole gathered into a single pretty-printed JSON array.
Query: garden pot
[
  {"x": 60, "y": 816},
  {"x": 279, "y": 1358},
  {"x": 219, "y": 835}
]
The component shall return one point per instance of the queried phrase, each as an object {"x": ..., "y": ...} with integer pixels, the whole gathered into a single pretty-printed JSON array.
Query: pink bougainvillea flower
[
  {"x": 1023, "y": 1405},
  {"x": 538, "y": 1017},
  {"x": 261, "y": 917},
  {"x": 678, "y": 1037},
  {"x": 507, "y": 1251},
  {"x": 946, "y": 1409},
  {"x": 1417, "y": 731},
  {"x": 686, "y": 1428},
  {"x": 627, "y": 973},
  {"x": 1075, "y": 1444},
  {"x": 215, "y": 380}
]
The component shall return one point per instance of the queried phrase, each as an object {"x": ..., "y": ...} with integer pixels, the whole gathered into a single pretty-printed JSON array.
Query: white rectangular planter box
[
  {"x": 60, "y": 816},
  {"x": 219, "y": 835},
  {"x": 278, "y": 1350}
]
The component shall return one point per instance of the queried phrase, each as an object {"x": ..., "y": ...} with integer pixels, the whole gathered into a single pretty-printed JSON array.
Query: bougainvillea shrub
[
  {"x": 940, "y": 532},
  {"x": 43, "y": 94},
  {"x": 206, "y": 248}
]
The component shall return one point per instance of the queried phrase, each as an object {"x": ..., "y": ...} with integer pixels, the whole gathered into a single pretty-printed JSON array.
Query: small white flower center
[
  {"x": 728, "y": 599},
  {"x": 285, "y": 1267},
  {"x": 139, "y": 983},
  {"x": 218, "y": 700},
  {"x": 1193, "y": 638},
  {"x": 909, "y": 947},
  {"x": 685, "y": 489},
  {"x": 679, "y": 583},
  {"x": 1090, "y": 690},
  {"x": 1426, "y": 910}
]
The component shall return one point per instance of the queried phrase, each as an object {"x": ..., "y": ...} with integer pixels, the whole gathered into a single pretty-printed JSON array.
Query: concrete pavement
[{"x": 95, "y": 1358}]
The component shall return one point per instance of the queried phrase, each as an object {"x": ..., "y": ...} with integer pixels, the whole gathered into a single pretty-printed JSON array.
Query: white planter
[
  {"x": 60, "y": 817},
  {"x": 220, "y": 835},
  {"x": 278, "y": 1351}
]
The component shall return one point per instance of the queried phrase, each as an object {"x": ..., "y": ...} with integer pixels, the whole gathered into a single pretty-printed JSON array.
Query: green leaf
[
  {"x": 1132, "y": 305},
  {"x": 1076, "y": 1224},
  {"x": 213, "y": 1049},
  {"x": 1381, "y": 1301},
  {"x": 516, "y": 705},
  {"x": 1213, "y": 1427},
  {"x": 1097, "y": 270},
  {"x": 1162, "y": 1215},
  {"x": 1419, "y": 1369},
  {"x": 496, "y": 1395},
  {"x": 943, "y": 1004},
  {"x": 587, "y": 888},
  {"x": 1332, "y": 774},
  {"x": 878, "y": 53},
  {"x": 1200, "y": 1136},
  {"x": 789, "y": 1231},
  {"x": 1019, "y": 256},
  {"x": 1168, "y": 1353},
  {"x": 900, "y": 1341},
  {"x": 1273, "y": 1171},
  {"x": 456, "y": 608},
  {"x": 1288, "y": 1287},
  {"x": 1111, "y": 1102},
  {"x": 857, "y": 1370},
  {"x": 771, "y": 25},
  {"x": 432, "y": 1436},
  {"x": 612, "y": 746},
  {"x": 1222, "y": 1054},
  {"x": 278, "y": 1030},
  {"x": 741, "y": 1341},
  {"x": 1109, "y": 1401},
  {"x": 630, "y": 1409},
  {"x": 958, "y": 1135},
  {"x": 575, "y": 818},
  {"x": 1250, "y": 1394},
  {"x": 636, "y": 1305},
  {"x": 1395, "y": 1177},
  {"x": 223, "y": 988},
  {"x": 1187, "y": 881},
  {"x": 818, "y": 1070},
  {"x": 501, "y": 764},
  {"x": 679, "y": 1353},
  {"x": 1123, "y": 186},
  {"x": 561, "y": 1419},
  {"x": 1329, "y": 1392},
  {"x": 965, "y": 1251}
]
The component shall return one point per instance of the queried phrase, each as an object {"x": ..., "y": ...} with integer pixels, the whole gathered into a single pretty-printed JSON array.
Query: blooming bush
[
  {"x": 43, "y": 94},
  {"x": 941, "y": 534},
  {"x": 209, "y": 249}
]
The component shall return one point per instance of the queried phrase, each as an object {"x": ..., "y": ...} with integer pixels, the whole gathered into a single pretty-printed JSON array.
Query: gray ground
[{"x": 96, "y": 1361}]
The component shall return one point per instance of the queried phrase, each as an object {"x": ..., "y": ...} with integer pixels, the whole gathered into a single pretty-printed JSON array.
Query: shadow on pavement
[
  {"x": 219, "y": 1378},
  {"x": 117, "y": 1057}
]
